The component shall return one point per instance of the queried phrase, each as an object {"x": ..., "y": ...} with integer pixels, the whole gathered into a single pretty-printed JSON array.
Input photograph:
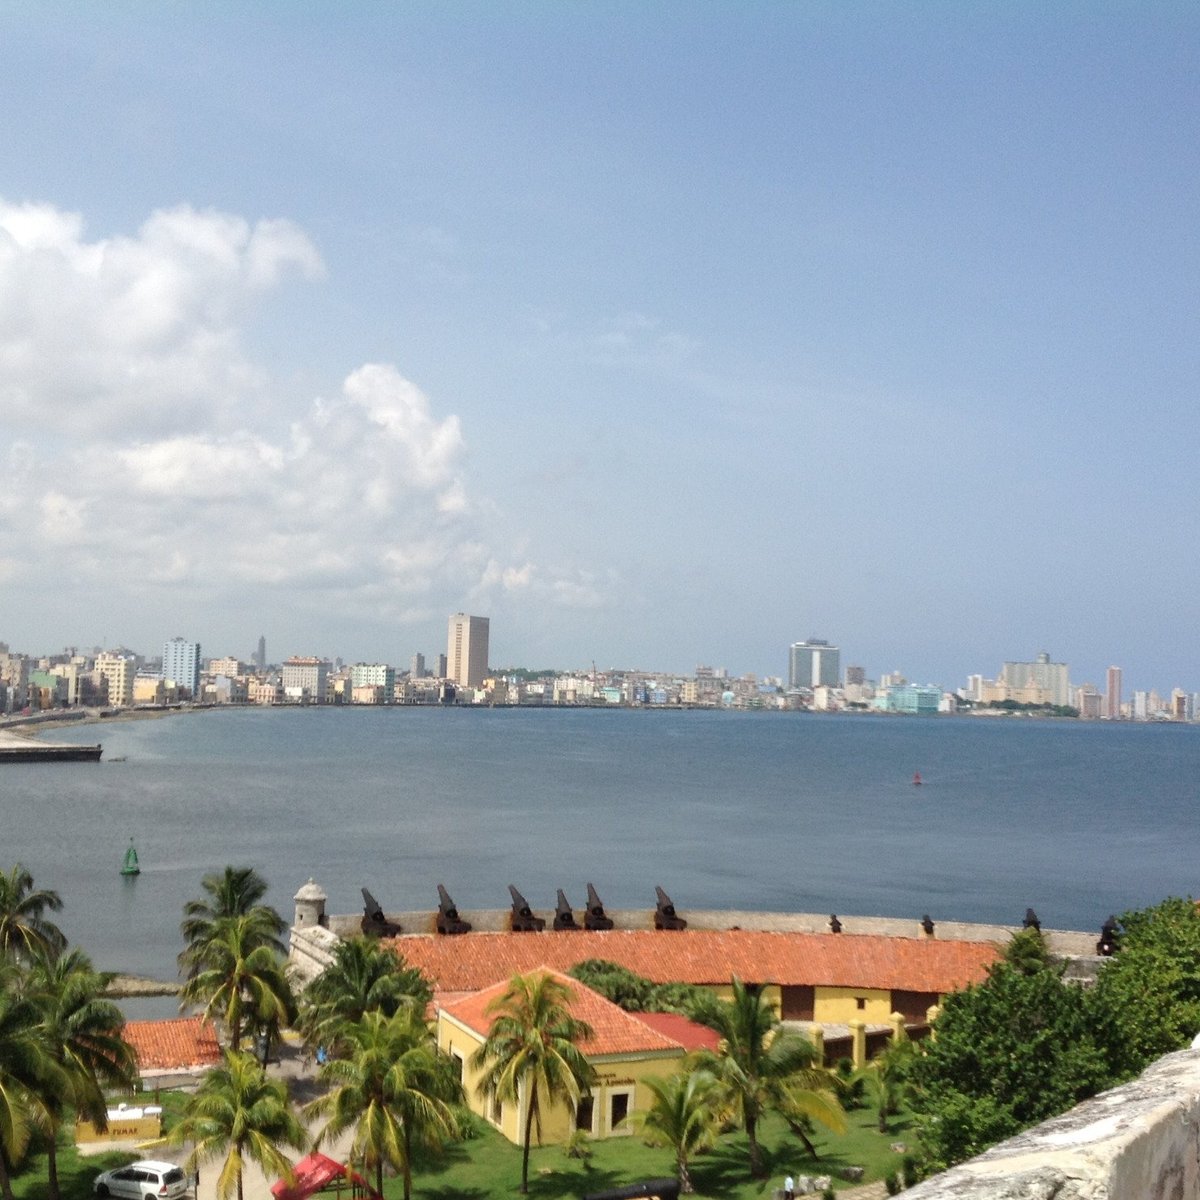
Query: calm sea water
[{"x": 777, "y": 812}]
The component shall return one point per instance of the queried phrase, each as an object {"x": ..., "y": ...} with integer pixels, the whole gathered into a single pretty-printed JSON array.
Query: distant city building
[
  {"x": 154, "y": 689},
  {"x": 181, "y": 665},
  {"x": 855, "y": 676},
  {"x": 1042, "y": 675},
  {"x": 909, "y": 698},
  {"x": 226, "y": 666},
  {"x": 467, "y": 650},
  {"x": 441, "y": 665},
  {"x": 416, "y": 668},
  {"x": 812, "y": 664},
  {"x": 1112, "y": 697},
  {"x": 1088, "y": 701},
  {"x": 372, "y": 675},
  {"x": 117, "y": 671},
  {"x": 260, "y": 655},
  {"x": 306, "y": 680}
]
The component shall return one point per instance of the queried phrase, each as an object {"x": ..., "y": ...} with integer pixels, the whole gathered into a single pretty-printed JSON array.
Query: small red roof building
[{"x": 176, "y": 1046}]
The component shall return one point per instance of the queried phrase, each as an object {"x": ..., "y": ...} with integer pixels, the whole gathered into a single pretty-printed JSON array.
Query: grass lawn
[{"x": 490, "y": 1166}]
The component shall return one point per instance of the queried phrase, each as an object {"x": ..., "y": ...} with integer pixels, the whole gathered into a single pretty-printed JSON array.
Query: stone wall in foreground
[{"x": 1136, "y": 1142}]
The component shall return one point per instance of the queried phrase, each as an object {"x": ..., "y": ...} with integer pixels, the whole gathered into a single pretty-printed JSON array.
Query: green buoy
[{"x": 130, "y": 865}]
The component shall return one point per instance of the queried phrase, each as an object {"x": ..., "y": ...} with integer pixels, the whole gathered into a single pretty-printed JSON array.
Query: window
[
  {"x": 585, "y": 1114},
  {"x": 497, "y": 1110},
  {"x": 462, "y": 1066},
  {"x": 861, "y": 1002}
]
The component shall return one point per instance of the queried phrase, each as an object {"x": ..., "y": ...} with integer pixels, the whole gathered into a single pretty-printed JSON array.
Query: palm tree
[
  {"x": 24, "y": 928},
  {"x": 683, "y": 1115},
  {"x": 236, "y": 892},
  {"x": 363, "y": 977},
  {"x": 533, "y": 1049},
  {"x": 240, "y": 977},
  {"x": 82, "y": 1033},
  {"x": 26, "y": 1070},
  {"x": 239, "y": 1113},
  {"x": 761, "y": 1067},
  {"x": 392, "y": 1088},
  {"x": 887, "y": 1076}
]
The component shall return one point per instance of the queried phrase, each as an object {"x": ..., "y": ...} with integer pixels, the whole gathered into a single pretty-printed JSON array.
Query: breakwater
[{"x": 15, "y": 748}]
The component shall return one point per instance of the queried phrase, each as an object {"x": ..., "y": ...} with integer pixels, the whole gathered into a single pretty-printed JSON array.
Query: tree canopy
[
  {"x": 1151, "y": 987},
  {"x": 1016, "y": 1049},
  {"x": 25, "y": 930}
]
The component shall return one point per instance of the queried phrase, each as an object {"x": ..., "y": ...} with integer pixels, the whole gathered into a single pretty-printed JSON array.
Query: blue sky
[{"x": 661, "y": 333}]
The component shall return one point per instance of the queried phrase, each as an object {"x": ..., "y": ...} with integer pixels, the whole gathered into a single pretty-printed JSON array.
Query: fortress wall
[
  {"x": 1061, "y": 942},
  {"x": 1140, "y": 1141}
]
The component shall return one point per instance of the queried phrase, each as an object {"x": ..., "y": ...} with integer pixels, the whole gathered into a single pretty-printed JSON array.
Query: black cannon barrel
[
  {"x": 564, "y": 918},
  {"x": 652, "y": 1189}
]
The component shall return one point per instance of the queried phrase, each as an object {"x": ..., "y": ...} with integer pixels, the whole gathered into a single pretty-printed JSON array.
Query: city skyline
[
  {"x": 660, "y": 334},
  {"x": 805, "y": 664}
]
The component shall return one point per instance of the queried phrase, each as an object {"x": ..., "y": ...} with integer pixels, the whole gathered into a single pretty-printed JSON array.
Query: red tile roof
[
  {"x": 705, "y": 956},
  {"x": 614, "y": 1030},
  {"x": 181, "y": 1044},
  {"x": 689, "y": 1034}
]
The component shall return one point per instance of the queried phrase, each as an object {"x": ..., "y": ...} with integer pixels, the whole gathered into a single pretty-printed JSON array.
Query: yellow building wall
[
  {"x": 135, "y": 1125},
  {"x": 772, "y": 991},
  {"x": 840, "y": 1005},
  {"x": 616, "y": 1076}
]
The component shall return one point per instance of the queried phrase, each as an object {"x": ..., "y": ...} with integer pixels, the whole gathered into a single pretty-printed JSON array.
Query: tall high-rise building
[
  {"x": 441, "y": 671},
  {"x": 260, "y": 655},
  {"x": 416, "y": 668},
  {"x": 814, "y": 663},
  {"x": 467, "y": 650},
  {"x": 181, "y": 664},
  {"x": 1050, "y": 678},
  {"x": 1112, "y": 695}
]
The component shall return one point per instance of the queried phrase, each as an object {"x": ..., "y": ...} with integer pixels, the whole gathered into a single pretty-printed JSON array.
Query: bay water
[{"x": 779, "y": 812}]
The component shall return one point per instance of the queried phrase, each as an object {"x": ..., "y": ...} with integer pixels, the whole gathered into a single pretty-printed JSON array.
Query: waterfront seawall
[
  {"x": 1140, "y": 1141},
  {"x": 15, "y": 748}
]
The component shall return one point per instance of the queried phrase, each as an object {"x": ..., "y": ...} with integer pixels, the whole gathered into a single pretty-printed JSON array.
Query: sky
[{"x": 661, "y": 334}]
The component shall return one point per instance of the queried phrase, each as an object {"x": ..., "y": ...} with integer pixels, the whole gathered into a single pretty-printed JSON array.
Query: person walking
[{"x": 789, "y": 1188}]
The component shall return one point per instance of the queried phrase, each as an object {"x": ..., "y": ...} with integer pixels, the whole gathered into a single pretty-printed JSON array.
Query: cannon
[
  {"x": 374, "y": 923},
  {"x": 523, "y": 920},
  {"x": 1031, "y": 921},
  {"x": 652, "y": 1189},
  {"x": 564, "y": 918},
  {"x": 665, "y": 916},
  {"x": 1110, "y": 935},
  {"x": 448, "y": 920},
  {"x": 595, "y": 917}
]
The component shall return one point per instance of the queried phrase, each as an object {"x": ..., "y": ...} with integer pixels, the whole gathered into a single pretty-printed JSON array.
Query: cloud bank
[{"x": 145, "y": 450}]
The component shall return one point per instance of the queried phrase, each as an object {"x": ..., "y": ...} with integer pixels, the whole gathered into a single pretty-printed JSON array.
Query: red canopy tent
[{"x": 320, "y": 1173}]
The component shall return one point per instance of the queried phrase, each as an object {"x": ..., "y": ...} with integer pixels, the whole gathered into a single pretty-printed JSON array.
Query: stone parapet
[
  {"x": 1140, "y": 1141},
  {"x": 1066, "y": 944}
]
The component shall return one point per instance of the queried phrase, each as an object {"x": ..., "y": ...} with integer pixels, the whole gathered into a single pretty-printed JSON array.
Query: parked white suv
[{"x": 148, "y": 1180}]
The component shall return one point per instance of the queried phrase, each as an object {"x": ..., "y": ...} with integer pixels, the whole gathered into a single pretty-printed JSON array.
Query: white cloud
[
  {"x": 95, "y": 335},
  {"x": 147, "y": 454}
]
